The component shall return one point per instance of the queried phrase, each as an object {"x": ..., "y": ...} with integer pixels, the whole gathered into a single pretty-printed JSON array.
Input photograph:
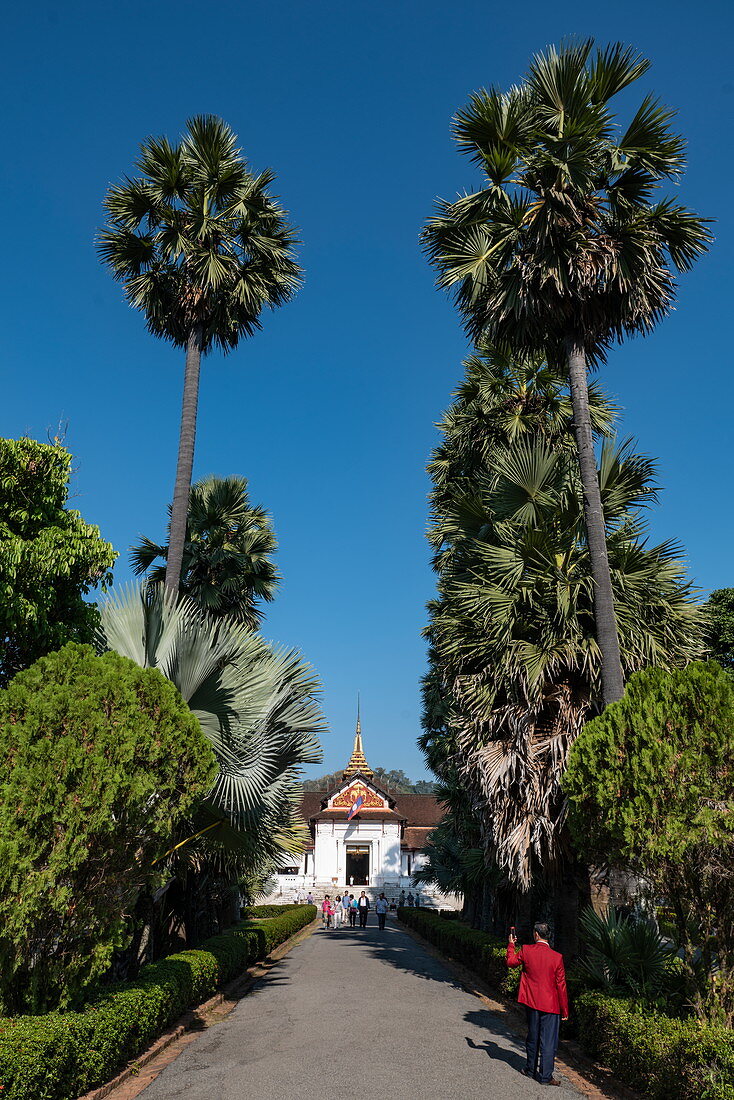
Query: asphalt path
[{"x": 355, "y": 1013}]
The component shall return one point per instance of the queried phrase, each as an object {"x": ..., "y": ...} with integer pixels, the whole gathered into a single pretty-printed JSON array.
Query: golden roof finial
[{"x": 358, "y": 760}]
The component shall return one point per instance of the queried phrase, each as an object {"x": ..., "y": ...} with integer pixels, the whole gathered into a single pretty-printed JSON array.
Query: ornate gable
[{"x": 347, "y": 795}]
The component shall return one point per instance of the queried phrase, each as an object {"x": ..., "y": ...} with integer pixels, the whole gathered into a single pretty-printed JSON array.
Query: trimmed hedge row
[
  {"x": 59, "y": 1056},
  {"x": 662, "y": 1057},
  {"x": 482, "y": 953},
  {"x": 264, "y": 911}
]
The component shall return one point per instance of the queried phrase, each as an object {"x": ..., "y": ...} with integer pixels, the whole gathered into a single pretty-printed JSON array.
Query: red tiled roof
[
  {"x": 420, "y": 810},
  {"x": 416, "y": 837}
]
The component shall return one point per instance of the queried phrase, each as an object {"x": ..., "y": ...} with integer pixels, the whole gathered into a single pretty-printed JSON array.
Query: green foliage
[
  {"x": 664, "y": 1058},
  {"x": 99, "y": 761},
  {"x": 50, "y": 558},
  {"x": 60, "y": 1056},
  {"x": 197, "y": 240},
  {"x": 258, "y": 912},
  {"x": 482, "y": 953},
  {"x": 627, "y": 954},
  {"x": 256, "y": 704},
  {"x": 650, "y": 785},
  {"x": 515, "y": 668},
  {"x": 227, "y": 562},
  {"x": 394, "y": 780},
  {"x": 570, "y": 234},
  {"x": 719, "y": 610}
]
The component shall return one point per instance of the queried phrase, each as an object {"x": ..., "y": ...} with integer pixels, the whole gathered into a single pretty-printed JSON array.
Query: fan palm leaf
[{"x": 257, "y": 705}]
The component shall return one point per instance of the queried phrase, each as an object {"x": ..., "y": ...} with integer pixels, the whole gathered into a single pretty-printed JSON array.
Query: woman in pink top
[{"x": 326, "y": 912}]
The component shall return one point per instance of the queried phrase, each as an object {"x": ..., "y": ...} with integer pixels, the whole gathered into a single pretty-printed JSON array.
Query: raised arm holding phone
[{"x": 544, "y": 994}]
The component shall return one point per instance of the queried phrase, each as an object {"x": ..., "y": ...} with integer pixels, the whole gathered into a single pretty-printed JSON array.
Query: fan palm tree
[
  {"x": 256, "y": 704},
  {"x": 201, "y": 248},
  {"x": 569, "y": 246},
  {"x": 227, "y": 562},
  {"x": 515, "y": 668}
]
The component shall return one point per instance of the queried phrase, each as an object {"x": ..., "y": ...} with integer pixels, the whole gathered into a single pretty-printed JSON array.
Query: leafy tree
[
  {"x": 396, "y": 781},
  {"x": 515, "y": 670},
  {"x": 650, "y": 786},
  {"x": 201, "y": 248},
  {"x": 50, "y": 558},
  {"x": 227, "y": 562},
  {"x": 720, "y": 617},
  {"x": 570, "y": 245},
  {"x": 257, "y": 706},
  {"x": 100, "y": 760}
]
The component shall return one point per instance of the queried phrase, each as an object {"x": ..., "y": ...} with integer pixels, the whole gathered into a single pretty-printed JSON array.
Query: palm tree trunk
[
  {"x": 606, "y": 619},
  {"x": 184, "y": 467}
]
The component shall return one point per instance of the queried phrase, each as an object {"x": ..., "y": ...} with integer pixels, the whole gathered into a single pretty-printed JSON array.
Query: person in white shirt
[
  {"x": 364, "y": 907},
  {"x": 338, "y": 911},
  {"x": 381, "y": 907}
]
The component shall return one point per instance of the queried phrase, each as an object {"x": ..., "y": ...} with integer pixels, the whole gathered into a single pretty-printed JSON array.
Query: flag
[{"x": 356, "y": 807}]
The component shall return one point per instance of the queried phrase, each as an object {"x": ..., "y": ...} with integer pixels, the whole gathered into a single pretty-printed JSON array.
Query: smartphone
[{"x": 512, "y": 931}]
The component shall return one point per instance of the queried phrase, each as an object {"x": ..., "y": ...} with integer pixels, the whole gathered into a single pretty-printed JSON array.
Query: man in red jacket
[{"x": 544, "y": 994}]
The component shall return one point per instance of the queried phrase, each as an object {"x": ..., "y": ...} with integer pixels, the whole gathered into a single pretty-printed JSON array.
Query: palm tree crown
[
  {"x": 569, "y": 246},
  {"x": 202, "y": 248},
  {"x": 227, "y": 562},
  {"x": 197, "y": 240},
  {"x": 568, "y": 237},
  {"x": 515, "y": 665}
]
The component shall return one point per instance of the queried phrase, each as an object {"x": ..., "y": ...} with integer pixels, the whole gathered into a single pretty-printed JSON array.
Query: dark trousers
[
  {"x": 352, "y": 917},
  {"x": 542, "y": 1043},
  {"x": 381, "y": 920},
  {"x": 363, "y": 911}
]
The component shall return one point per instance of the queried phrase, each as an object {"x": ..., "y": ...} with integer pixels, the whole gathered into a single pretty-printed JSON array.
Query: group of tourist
[{"x": 344, "y": 910}]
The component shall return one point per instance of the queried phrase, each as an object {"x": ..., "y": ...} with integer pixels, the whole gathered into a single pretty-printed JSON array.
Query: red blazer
[{"x": 543, "y": 981}]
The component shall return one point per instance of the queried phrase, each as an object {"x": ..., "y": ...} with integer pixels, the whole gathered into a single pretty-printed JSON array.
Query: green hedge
[
  {"x": 62, "y": 1055},
  {"x": 662, "y": 1057},
  {"x": 269, "y": 910},
  {"x": 482, "y": 953}
]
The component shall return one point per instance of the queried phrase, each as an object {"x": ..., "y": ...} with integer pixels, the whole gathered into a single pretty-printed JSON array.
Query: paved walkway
[{"x": 355, "y": 1013}]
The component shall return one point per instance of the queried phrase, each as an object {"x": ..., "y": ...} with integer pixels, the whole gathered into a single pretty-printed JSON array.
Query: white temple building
[{"x": 362, "y": 836}]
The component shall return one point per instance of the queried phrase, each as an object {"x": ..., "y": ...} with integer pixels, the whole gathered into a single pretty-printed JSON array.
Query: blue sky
[{"x": 330, "y": 411}]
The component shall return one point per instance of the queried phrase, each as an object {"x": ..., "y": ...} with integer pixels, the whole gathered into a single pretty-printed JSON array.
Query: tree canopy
[
  {"x": 99, "y": 761},
  {"x": 571, "y": 243},
  {"x": 202, "y": 248},
  {"x": 514, "y": 665},
  {"x": 227, "y": 562},
  {"x": 50, "y": 558},
  {"x": 395, "y": 780},
  {"x": 650, "y": 785},
  {"x": 719, "y": 610}
]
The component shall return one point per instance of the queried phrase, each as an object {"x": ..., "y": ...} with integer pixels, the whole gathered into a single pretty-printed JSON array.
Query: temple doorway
[{"x": 358, "y": 865}]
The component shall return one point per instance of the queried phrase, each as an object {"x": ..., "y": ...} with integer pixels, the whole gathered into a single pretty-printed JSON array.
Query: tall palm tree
[
  {"x": 515, "y": 667},
  {"x": 569, "y": 246},
  {"x": 227, "y": 561},
  {"x": 201, "y": 248}
]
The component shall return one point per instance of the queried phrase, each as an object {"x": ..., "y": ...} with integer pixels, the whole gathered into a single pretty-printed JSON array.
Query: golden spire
[{"x": 358, "y": 760}]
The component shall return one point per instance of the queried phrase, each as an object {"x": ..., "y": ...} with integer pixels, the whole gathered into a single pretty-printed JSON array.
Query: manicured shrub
[
  {"x": 59, "y": 1056},
  {"x": 100, "y": 760},
  {"x": 268, "y": 910},
  {"x": 663, "y": 1057}
]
